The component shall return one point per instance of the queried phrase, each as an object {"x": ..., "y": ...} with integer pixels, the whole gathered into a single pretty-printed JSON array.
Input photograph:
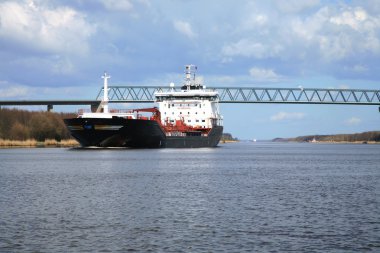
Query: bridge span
[
  {"x": 130, "y": 94},
  {"x": 145, "y": 94}
]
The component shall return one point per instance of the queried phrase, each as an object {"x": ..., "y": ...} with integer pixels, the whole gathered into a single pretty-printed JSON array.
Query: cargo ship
[{"x": 185, "y": 118}]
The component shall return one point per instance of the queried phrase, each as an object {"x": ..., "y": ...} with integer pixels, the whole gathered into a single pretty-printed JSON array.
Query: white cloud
[
  {"x": 372, "y": 6},
  {"x": 292, "y": 6},
  {"x": 8, "y": 90},
  {"x": 118, "y": 5},
  {"x": 360, "y": 68},
  {"x": 353, "y": 121},
  {"x": 224, "y": 79},
  {"x": 200, "y": 80},
  {"x": 328, "y": 34},
  {"x": 184, "y": 28},
  {"x": 261, "y": 74},
  {"x": 344, "y": 86},
  {"x": 300, "y": 38},
  {"x": 287, "y": 116},
  {"x": 309, "y": 28},
  {"x": 62, "y": 66},
  {"x": 260, "y": 19},
  {"x": 43, "y": 28},
  {"x": 251, "y": 48},
  {"x": 255, "y": 20},
  {"x": 335, "y": 47},
  {"x": 353, "y": 18},
  {"x": 337, "y": 32}
]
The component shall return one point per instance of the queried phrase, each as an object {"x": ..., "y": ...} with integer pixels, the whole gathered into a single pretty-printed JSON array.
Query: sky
[{"x": 58, "y": 49}]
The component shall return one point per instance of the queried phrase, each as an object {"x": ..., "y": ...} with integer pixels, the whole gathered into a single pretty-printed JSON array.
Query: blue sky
[{"x": 58, "y": 49}]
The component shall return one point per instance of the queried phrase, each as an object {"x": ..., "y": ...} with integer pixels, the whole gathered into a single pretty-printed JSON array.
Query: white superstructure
[{"x": 194, "y": 105}]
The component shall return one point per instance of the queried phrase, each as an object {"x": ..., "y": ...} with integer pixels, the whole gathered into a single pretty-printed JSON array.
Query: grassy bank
[{"x": 4, "y": 143}]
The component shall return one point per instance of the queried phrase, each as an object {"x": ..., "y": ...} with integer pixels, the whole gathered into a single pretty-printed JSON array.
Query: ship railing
[
  {"x": 83, "y": 111},
  {"x": 115, "y": 111},
  {"x": 124, "y": 111}
]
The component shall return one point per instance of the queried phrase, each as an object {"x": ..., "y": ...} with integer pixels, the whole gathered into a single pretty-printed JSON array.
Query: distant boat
[{"x": 254, "y": 140}]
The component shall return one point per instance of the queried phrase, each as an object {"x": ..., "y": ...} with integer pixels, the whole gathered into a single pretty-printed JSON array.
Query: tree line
[
  {"x": 373, "y": 136},
  {"x": 228, "y": 137},
  {"x": 23, "y": 125}
]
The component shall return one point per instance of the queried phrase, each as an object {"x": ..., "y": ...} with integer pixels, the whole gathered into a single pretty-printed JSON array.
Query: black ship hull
[{"x": 135, "y": 133}]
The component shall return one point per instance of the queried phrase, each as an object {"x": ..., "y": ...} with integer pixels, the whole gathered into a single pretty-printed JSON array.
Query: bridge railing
[{"x": 254, "y": 95}]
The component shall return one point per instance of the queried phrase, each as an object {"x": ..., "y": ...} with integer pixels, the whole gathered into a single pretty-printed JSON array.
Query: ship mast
[
  {"x": 105, "y": 92},
  {"x": 189, "y": 71}
]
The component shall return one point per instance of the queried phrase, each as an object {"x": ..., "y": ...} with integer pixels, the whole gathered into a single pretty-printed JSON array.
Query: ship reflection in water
[{"x": 188, "y": 118}]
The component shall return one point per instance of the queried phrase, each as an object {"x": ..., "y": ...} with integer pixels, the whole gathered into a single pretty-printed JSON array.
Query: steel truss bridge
[{"x": 144, "y": 94}]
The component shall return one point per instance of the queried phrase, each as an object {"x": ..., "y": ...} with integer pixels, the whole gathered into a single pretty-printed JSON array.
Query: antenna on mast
[{"x": 190, "y": 72}]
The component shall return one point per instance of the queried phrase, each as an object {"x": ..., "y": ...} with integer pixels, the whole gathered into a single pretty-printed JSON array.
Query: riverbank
[
  {"x": 5, "y": 143},
  {"x": 227, "y": 138},
  {"x": 228, "y": 141},
  {"x": 371, "y": 137},
  {"x": 348, "y": 142},
  {"x": 333, "y": 142}
]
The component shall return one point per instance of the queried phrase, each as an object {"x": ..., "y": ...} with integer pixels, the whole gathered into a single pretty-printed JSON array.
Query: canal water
[{"x": 239, "y": 197}]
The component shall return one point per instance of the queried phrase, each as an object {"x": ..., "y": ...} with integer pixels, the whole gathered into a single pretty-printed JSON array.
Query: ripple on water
[{"x": 237, "y": 198}]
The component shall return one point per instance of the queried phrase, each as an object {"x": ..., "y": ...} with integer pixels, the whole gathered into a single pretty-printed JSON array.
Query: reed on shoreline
[
  {"x": 228, "y": 141},
  {"x": 34, "y": 143}
]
